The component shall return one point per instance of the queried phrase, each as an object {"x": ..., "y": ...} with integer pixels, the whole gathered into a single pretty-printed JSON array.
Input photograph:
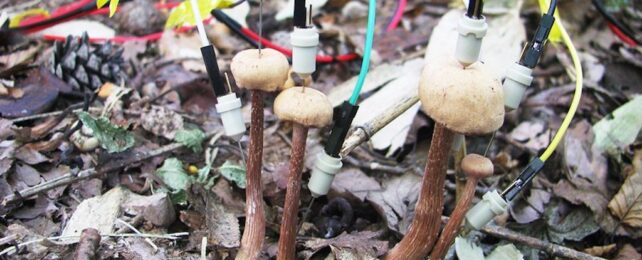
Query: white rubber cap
[
  {"x": 229, "y": 107},
  {"x": 491, "y": 205},
  {"x": 518, "y": 78},
  {"x": 325, "y": 167},
  {"x": 304, "y": 50},
  {"x": 471, "y": 32}
]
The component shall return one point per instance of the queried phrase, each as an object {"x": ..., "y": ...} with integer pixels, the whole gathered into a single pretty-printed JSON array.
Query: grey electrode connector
[
  {"x": 518, "y": 78},
  {"x": 471, "y": 32},
  {"x": 229, "y": 107},
  {"x": 304, "y": 49},
  {"x": 491, "y": 205},
  {"x": 325, "y": 167}
]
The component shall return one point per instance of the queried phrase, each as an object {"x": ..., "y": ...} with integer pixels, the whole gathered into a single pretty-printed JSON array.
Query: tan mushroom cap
[
  {"x": 266, "y": 72},
  {"x": 477, "y": 166},
  {"x": 468, "y": 101},
  {"x": 306, "y": 106}
]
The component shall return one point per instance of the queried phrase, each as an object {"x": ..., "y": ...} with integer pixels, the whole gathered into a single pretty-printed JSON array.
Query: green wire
[{"x": 365, "y": 64}]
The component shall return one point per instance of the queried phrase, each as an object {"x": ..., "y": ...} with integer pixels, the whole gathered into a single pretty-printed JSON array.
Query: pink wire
[{"x": 398, "y": 15}]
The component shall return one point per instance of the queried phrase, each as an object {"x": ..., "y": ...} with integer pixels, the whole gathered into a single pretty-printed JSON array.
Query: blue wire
[{"x": 365, "y": 64}]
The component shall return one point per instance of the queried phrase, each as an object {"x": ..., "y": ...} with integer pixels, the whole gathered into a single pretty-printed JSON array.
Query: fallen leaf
[
  {"x": 53, "y": 174},
  {"x": 40, "y": 90},
  {"x": 234, "y": 173},
  {"x": 157, "y": 209},
  {"x": 27, "y": 174},
  {"x": 222, "y": 226},
  {"x": 601, "y": 250},
  {"x": 364, "y": 243},
  {"x": 112, "y": 138},
  {"x": 533, "y": 135},
  {"x": 466, "y": 249},
  {"x": 30, "y": 156},
  {"x": 508, "y": 251},
  {"x": 532, "y": 208},
  {"x": 161, "y": 121},
  {"x": 586, "y": 166},
  {"x": 77, "y": 27},
  {"x": 396, "y": 202},
  {"x": 354, "y": 182},
  {"x": 192, "y": 138},
  {"x": 626, "y": 205},
  {"x": 24, "y": 234},
  {"x": 375, "y": 78},
  {"x": 620, "y": 129},
  {"x": 173, "y": 175},
  {"x": 628, "y": 252},
  {"x": 43, "y": 207}
]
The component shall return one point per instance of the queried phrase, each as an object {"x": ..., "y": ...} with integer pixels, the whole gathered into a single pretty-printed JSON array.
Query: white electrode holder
[
  {"x": 471, "y": 32},
  {"x": 518, "y": 78},
  {"x": 229, "y": 107},
  {"x": 304, "y": 49},
  {"x": 325, "y": 167},
  {"x": 491, "y": 205}
]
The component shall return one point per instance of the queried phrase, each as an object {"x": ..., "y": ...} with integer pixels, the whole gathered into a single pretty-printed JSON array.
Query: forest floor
[{"x": 151, "y": 170}]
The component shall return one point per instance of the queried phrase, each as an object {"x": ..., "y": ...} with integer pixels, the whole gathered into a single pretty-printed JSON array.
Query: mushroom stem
[
  {"x": 287, "y": 240},
  {"x": 421, "y": 236},
  {"x": 452, "y": 227},
  {"x": 254, "y": 232}
]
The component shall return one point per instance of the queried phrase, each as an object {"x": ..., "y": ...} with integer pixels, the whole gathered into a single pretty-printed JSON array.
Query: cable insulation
[
  {"x": 577, "y": 95},
  {"x": 396, "y": 18},
  {"x": 365, "y": 64}
]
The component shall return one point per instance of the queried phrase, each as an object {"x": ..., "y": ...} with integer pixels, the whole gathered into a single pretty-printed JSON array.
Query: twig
[
  {"x": 553, "y": 249},
  {"x": 132, "y": 228},
  {"x": 363, "y": 133},
  {"x": 171, "y": 236},
  {"x": 88, "y": 244},
  {"x": 204, "y": 248},
  {"x": 89, "y": 173}
]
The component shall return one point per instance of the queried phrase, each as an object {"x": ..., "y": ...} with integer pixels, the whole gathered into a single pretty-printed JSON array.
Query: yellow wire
[{"x": 576, "y": 96}]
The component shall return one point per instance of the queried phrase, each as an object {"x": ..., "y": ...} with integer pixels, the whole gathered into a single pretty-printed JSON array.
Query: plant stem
[
  {"x": 421, "y": 236},
  {"x": 254, "y": 232},
  {"x": 287, "y": 240},
  {"x": 452, "y": 227}
]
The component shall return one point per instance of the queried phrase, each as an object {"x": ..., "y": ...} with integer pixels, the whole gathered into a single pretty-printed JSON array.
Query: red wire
[
  {"x": 625, "y": 38},
  {"x": 397, "y": 17},
  {"x": 156, "y": 36}
]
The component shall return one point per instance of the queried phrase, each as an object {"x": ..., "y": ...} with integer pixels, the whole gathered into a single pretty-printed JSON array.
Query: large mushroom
[
  {"x": 304, "y": 107},
  {"x": 466, "y": 101},
  {"x": 260, "y": 71}
]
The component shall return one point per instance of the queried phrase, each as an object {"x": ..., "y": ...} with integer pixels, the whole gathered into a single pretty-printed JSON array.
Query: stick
[
  {"x": 553, "y": 249},
  {"x": 363, "y": 133},
  {"x": 89, "y": 173},
  {"x": 88, "y": 244}
]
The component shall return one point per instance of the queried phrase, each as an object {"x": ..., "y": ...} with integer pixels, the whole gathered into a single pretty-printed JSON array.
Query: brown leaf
[
  {"x": 586, "y": 166},
  {"x": 601, "y": 250},
  {"x": 626, "y": 205},
  {"x": 27, "y": 174},
  {"x": 363, "y": 243},
  {"x": 161, "y": 122},
  {"x": 395, "y": 203},
  {"x": 40, "y": 90},
  {"x": 30, "y": 156},
  {"x": 628, "y": 252},
  {"x": 353, "y": 182}
]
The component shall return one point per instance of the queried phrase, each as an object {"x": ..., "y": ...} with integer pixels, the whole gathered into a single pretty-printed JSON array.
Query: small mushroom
[
  {"x": 266, "y": 71},
  {"x": 475, "y": 167},
  {"x": 295, "y": 79},
  {"x": 84, "y": 139},
  {"x": 461, "y": 100},
  {"x": 304, "y": 107},
  {"x": 260, "y": 72}
]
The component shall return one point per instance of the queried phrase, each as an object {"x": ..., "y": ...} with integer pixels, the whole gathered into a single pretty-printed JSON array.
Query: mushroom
[
  {"x": 260, "y": 71},
  {"x": 305, "y": 108},
  {"x": 467, "y": 101},
  {"x": 475, "y": 167}
]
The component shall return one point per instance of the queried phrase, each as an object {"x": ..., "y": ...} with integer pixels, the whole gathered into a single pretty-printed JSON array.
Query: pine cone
[{"x": 86, "y": 66}]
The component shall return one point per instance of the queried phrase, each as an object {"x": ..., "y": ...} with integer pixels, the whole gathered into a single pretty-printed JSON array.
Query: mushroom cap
[
  {"x": 266, "y": 72},
  {"x": 306, "y": 106},
  {"x": 477, "y": 166},
  {"x": 467, "y": 100}
]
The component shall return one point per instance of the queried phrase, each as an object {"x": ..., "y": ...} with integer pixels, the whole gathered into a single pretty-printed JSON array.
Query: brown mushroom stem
[
  {"x": 452, "y": 227},
  {"x": 287, "y": 240},
  {"x": 421, "y": 236},
  {"x": 254, "y": 232}
]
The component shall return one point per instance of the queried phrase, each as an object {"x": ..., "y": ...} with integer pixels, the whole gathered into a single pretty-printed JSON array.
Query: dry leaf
[
  {"x": 396, "y": 202},
  {"x": 161, "y": 122},
  {"x": 628, "y": 252},
  {"x": 601, "y": 250},
  {"x": 626, "y": 205},
  {"x": 353, "y": 182},
  {"x": 363, "y": 243}
]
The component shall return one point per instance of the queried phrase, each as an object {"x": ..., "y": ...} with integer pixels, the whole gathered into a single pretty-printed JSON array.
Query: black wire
[
  {"x": 610, "y": 18},
  {"x": 471, "y": 8},
  {"x": 234, "y": 26},
  {"x": 475, "y": 8},
  {"x": 551, "y": 8}
]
